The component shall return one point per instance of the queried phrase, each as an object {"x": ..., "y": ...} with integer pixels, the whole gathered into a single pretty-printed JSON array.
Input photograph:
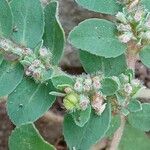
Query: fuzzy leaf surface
[
  {"x": 53, "y": 35},
  {"x": 27, "y": 137},
  {"x": 28, "y": 21},
  {"x": 82, "y": 138},
  {"x": 97, "y": 36},
  {"x": 11, "y": 74},
  {"x": 29, "y": 101}
]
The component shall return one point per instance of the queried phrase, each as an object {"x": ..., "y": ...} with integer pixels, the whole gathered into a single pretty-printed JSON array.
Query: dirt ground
[{"x": 70, "y": 15}]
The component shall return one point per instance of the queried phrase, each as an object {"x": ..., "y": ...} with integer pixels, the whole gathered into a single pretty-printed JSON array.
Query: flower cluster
[
  {"x": 134, "y": 24},
  {"x": 35, "y": 65},
  {"x": 86, "y": 92}
]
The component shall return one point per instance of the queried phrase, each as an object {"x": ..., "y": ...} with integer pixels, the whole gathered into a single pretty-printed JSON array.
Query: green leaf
[
  {"x": 54, "y": 37},
  {"x": 109, "y": 86},
  {"x": 97, "y": 36},
  {"x": 81, "y": 117},
  {"x": 134, "y": 106},
  {"x": 141, "y": 119},
  {"x": 145, "y": 56},
  {"x": 62, "y": 81},
  {"x": 1, "y": 58},
  {"x": 103, "y": 6},
  {"x": 115, "y": 124},
  {"x": 28, "y": 21},
  {"x": 146, "y": 4},
  {"x": 11, "y": 74},
  {"x": 29, "y": 101},
  {"x": 109, "y": 66},
  {"x": 27, "y": 137},
  {"x": 6, "y": 20},
  {"x": 94, "y": 130},
  {"x": 134, "y": 139}
]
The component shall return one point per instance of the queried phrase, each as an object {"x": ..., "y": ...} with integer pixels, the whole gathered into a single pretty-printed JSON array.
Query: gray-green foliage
[
  {"x": 103, "y": 6},
  {"x": 141, "y": 119},
  {"x": 81, "y": 138},
  {"x": 133, "y": 139},
  {"x": 97, "y": 36},
  {"x": 11, "y": 75},
  {"x": 27, "y": 137},
  {"x": 5, "y": 19},
  {"x": 28, "y": 22},
  {"x": 54, "y": 34},
  {"x": 109, "y": 66},
  {"x": 29, "y": 101}
]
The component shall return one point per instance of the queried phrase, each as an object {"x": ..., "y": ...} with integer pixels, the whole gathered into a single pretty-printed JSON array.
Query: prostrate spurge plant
[{"x": 99, "y": 104}]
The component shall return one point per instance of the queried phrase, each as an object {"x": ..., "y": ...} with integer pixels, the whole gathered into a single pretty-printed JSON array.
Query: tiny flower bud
[
  {"x": 135, "y": 83},
  {"x": 138, "y": 14},
  {"x": 36, "y": 63},
  {"x": 97, "y": 102},
  {"x": 128, "y": 88},
  {"x": 125, "y": 28},
  {"x": 96, "y": 83},
  {"x": 121, "y": 17},
  {"x": 78, "y": 86},
  {"x": 88, "y": 81},
  {"x": 86, "y": 88},
  {"x": 43, "y": 52},
  {"x": 126, "y": 37},
  {"x": 70, "y": 101},
  {"x": 67, "y": 90},
  {"x": 37, "y": 73},
  {"x": 84, "y": 102},
  {"x": 101, "y": 110}
]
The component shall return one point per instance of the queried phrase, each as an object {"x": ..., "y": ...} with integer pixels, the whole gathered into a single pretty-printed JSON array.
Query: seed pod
[
  {"x": 84, "y": 102},
  {"x": 71, "y": 101}
]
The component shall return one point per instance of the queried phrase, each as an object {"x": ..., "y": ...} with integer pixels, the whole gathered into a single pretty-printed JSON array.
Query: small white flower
[
  {"x": 126, "y": 37},
  {"x": 125, "y": 28},
  {"x": 43, "y": 52},
  {"x": 135, "y": 82},
  {"x": 128, "y": 88},
  {"x": 78, "y": 86},
  {"x": 88, "y": 81},
  {"x": 138, "y": 14},
  {"x": 96, "y": 83},
  {"x": 121, "y": 17},
  {"x": 84, "y": 102}
]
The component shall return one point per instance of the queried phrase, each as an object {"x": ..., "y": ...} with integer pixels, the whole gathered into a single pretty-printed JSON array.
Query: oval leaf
[
  {"x": 97, "y": 36},
  {"x": 81, "y": 117},
  {"x": 141, "y": 119},
  {"x": 103, "y": 6},
  {"x": 146, "y": 3},
  {"x": 145, "y": 56},
  {"x": 28, "y": 22},
  {"x": 11, "y": 75},
  {"x": 27, "y": 137},
  {"x": 54, "y": 35},
  {"x": 109, "y": 86},
  {"x": 29, "y": 101},
  {"x": 6, "y": 20},
  {"x": 109, "y": 66},
  {"x": 62, "y": 81},
  {"x": 94, "y": 130},
  {"x": 134, "y": 139}
]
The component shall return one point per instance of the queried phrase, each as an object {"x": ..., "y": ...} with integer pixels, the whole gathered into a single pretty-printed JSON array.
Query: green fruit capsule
[{"x": 70, "y": 101}]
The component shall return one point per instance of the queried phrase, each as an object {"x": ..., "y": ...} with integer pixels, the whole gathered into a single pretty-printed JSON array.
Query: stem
[{"x": 118, "y": 134}]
